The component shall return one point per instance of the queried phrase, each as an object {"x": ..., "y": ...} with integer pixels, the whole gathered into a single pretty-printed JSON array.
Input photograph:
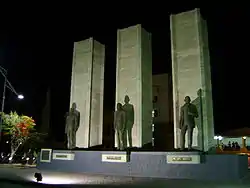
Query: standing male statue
[
  {"x": 72, "y": 125},
  {"x": 187, "y": 122},
  {"x": 119, "y": 125},
  {"x": 129, "y": 121}
]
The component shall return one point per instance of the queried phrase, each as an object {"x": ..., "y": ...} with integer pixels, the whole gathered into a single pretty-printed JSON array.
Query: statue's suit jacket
[
  {"x": 186, "y": 119},
  {"x": 74, "y": 127}
]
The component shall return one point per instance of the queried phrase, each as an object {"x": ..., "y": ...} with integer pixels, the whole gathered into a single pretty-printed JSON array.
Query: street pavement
[{"x": 24, "y": 177}]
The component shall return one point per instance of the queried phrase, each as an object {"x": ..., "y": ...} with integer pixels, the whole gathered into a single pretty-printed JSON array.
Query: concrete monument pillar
[
  {"x": 46, "y": 114},
  {"x": 134, "y": 79},
  {"x": 87, "y": 87},
  {"x": 191, "y": 75}
]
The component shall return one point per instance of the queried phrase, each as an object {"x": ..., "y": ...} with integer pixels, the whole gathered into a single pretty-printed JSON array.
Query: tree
[{"x": 19, "y": 128}]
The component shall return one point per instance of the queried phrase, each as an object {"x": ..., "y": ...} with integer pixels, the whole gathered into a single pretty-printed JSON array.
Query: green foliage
[
  {"x": 9, "y": 122},
  {"x": 19, "y": 126}
]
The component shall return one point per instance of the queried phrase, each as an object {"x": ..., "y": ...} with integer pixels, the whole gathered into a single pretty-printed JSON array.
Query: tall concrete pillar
[
  {"x": 191, "y": 75},
  {"x": 134, "y": 78},
  {"x": 46, "y": 114},
  {"x": 87, "y": 87}
]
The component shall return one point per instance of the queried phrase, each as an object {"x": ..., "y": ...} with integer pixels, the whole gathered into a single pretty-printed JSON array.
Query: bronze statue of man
[
  {"x": 72, "y": 125},
  {"x": 187, "y": 121},
  {"x": 129, "y": 121},
  {"x": 119, "y": 125}
]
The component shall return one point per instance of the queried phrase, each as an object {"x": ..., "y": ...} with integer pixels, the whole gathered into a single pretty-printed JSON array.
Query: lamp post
[
  {"x": 3, "y": 71},
  {"x": 8, "y": 85}
]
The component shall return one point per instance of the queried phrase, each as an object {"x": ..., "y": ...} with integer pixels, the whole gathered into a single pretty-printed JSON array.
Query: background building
[{"x": 163, "y": 121}]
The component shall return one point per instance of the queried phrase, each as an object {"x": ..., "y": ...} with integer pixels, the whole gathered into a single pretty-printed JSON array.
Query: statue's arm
[
  {"x": 78, "y": 120},
  {"x": 196, "y": 114},
  {"x": 66, "y": 125},
  {"x": 193, "y": 111},
  {"x": 123, "y": 120},
  {"x": 114, "y": 120},
  {"x": 181, "y": 118},
  {"x": 133, "y": 114}
]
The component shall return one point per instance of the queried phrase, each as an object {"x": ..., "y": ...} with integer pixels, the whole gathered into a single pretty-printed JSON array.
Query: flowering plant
[
  {"x": 20, "y": 129},
  {"x": 25, "y": 126}
]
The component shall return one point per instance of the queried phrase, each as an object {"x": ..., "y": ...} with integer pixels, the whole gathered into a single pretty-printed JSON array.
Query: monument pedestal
[{"x": 171, "y": 165}]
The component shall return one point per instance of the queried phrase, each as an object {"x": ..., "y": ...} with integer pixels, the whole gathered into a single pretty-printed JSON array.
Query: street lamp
[
  {"x": 20, "y": 96},
  {"x": 8, "y": 85}
]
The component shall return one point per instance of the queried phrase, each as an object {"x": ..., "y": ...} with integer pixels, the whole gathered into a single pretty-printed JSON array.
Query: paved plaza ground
[{"x": 24, "y": 177}]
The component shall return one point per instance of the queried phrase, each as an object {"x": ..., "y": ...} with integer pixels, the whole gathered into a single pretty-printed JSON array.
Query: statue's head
[
  {"x": 73, "y": 107},
  {"x": 119, "y": 106},
  {"x": 199, "y": 92},
  {"x": 126, "y": 99},
  {"x": 187, "y": 100}
]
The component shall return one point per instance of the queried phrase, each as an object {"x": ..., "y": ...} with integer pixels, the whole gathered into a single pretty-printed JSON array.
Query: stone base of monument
[{"x": 171, "y": 165}]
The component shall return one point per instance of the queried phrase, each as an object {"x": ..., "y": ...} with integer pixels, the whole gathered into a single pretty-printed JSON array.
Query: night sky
[{"x": 38, "y": 56}]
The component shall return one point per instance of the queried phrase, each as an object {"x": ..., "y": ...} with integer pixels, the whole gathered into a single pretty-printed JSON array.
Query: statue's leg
[
  {"x": 68, "y": 141},
  {"x": 73, "y": 139},
  {"x": 124, "y": 138},
  {"x": 183, "y": 133},
  {"x": 124, "y": 135},
  {"x": 190, "y": 137},
  {"x": 121, "y": 140},
  {"x": 130, "y": 136},
  {"x": 118, "y": 139}
]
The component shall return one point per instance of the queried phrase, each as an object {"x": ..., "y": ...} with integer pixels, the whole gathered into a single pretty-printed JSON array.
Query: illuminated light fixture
[
  {"x": 244, "y": 137},
  {"x": 20, "y": 96},
  {"x": 218, "y": 137}
]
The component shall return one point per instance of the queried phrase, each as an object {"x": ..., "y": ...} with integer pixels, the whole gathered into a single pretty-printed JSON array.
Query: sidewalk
[
  {"x": 17, "y": 166},
  {"x": 58, "y": 178}
]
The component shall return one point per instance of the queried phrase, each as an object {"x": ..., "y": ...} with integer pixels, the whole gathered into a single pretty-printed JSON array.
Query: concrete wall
[
  {"x": 191, "y": 72},
  {"x": 153, "y": 164},
  {"x": 87, "y": 90},
  {"x": 134, "y": 78}
]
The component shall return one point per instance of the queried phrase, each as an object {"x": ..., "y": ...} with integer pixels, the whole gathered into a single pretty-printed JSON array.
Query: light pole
[
  {"x": 3, "y": 71},
  {"x": 8, "y": 85}
]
